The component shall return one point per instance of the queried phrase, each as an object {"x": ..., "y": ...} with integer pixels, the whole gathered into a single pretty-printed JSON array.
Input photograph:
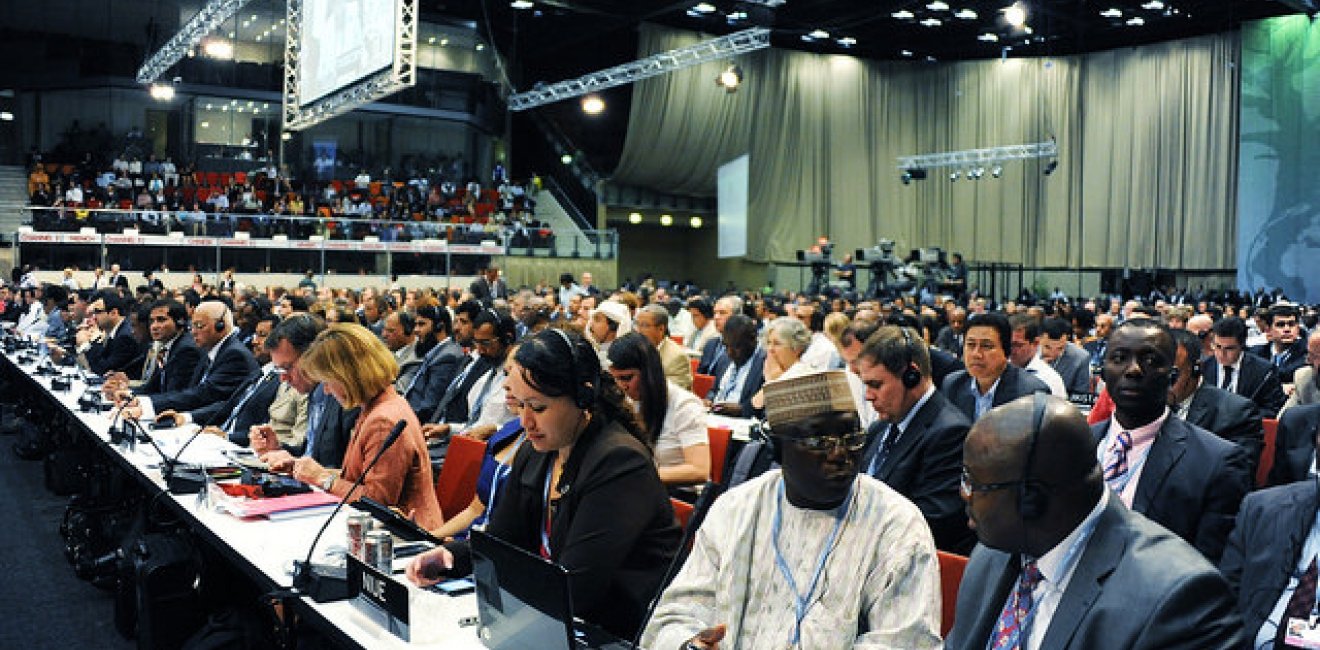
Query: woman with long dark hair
[
  {"x": 674, "y": 418},
  {"x": 583, "y": 492}
]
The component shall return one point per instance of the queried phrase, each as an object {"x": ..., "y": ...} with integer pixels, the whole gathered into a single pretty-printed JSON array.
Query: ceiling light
[
  {"x": 162, "y": 92},
  {"x": 522, "y": 4},
  {"x": 205, "y": 124},
  {"x": 208, "y": 106},
  {"x": 846, "y": 41},
  {"x": 1016, "y": 14},
  {"x": 695, "y": 222},
  {"x": 258, "y": 37},
  {"x": 225, "y": 108},
  {"x": 481, "y": 46},
  {"x": 819, "y": 34},
  {"x": 1112, "y": 13},
  {"x": 567, "y": 159},
  {"x": 730, "y": 79},
  {"x": 666, "y": 220},
  {"x": 704, "y": 8},
  {"x": 1136, "y": 21},
  {"x": 218, "y": 49},
  {"x": 286, "y": 136},
  {"x": 1153, "y": 5},
  {"x": 988, "y": 38},
  {"x": 444, "y": 41},
  {"x": 593, "y": 105},
  {"x": 932, "y": 22},
  {"x": 905, "y": 52},
  {"x": 254, "y": 16},
  {"x": 938, "y": 5},
  {"x": 431, "y": 40},
  {"x": 966, "y": 14},
  {"x": 232, "y": 35},
  {"x": 953, "y": 175},
  {"x": 903, "y": 14},
  {"x": 635, "y": 218},
  {"x": 737, "y": 16}
]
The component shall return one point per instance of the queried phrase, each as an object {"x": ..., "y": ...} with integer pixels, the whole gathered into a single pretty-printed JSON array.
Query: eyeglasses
[
  {"x": 968, "y": 487},
  {"x": 849, "y": 442},
  {"x": 485, "y": 343},
  {"x": 95, "y": 311}
]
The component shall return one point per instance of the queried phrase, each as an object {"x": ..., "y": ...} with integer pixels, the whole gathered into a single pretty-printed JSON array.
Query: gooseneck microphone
[
  {"x": 709, "y": 493},
  {"x": 190, "y": 482},
  {"x": 318, "y": 583}
]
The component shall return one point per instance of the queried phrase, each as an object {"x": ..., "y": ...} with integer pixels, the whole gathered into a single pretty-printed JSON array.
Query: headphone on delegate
[
  {"x": 584, "y": 393},
  {"x": 219, "y": 323},
  {"x": 507, "y": 328},
  {"x": 1032, "y": 498},
  {"x": 911, "y": 375}
]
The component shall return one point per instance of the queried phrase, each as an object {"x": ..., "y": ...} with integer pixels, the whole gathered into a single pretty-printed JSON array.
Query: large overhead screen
[
  {"x": 343, "y": 41},
  {"x": 733, "y": 195},
  {"x": 342, "y": 54}
]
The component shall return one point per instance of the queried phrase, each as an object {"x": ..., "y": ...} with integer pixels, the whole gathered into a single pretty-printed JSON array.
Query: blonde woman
[{"x": 358, "y": 370}]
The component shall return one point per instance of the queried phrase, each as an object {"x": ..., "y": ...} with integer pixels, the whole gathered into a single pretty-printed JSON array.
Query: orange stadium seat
[
  {"x": 951, "y": 573},
  {"x": 719, "y": 451},
  {"x": 1263, "y": 468},
  {"x": 457, "y": 483},
  {"x": 701, "y": 384}
]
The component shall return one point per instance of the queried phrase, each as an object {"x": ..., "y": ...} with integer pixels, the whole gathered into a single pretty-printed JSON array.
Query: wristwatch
[{"x": 328, "y": 482}]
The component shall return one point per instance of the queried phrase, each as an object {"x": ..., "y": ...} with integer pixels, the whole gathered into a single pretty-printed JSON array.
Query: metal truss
[
  {"x": 402, "y": 74},
  {"x": 747, "y": 40},
  {"x": 211, "y": 16},
  {"x": 979, "y": 157}
]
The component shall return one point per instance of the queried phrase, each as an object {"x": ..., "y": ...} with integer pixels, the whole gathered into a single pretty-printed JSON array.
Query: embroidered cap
[{"x": 804, "y": 395}]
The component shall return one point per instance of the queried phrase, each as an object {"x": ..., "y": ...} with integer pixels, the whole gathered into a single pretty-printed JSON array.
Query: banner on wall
[
  {"x": 323, "y": 159},
  {"x": 1278, "y": 196}
]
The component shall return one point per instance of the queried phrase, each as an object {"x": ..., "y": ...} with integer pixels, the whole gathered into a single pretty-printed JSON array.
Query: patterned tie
[
  {"x": 1116, "y": 460},
  {"x": 1008, "y": 631},
  {"x": 1300, "y": 605}
]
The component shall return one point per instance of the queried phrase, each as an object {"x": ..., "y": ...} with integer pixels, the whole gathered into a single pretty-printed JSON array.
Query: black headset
[
  {"x": 507, "y": 328},
  {"x": 1032, "y": 499},
  {"x": 911, "y": 375},
  {"x": 584, "y": 393},
  {"x": 219, "y": 323}
]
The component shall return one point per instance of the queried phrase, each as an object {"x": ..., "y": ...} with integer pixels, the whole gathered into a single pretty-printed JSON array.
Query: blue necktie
[{"x": 315, "y": 411}]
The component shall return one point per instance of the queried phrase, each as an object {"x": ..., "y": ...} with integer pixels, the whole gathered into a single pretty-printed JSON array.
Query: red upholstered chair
[
  {"x": 719, "y": 451},
  {"x": 694, "y": 363},
  {"x": 241, "y": 178},
  {"x": 701, "y": 384},
  {"x": 951, "y": 573},
  {"x": 457, "y": 483},
  {"x": 682, "y": 512},
  {"x": 1263, "y": 468}
]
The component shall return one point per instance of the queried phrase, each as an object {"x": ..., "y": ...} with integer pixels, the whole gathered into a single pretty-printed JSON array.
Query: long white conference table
[{"x": 265, "y": 549}]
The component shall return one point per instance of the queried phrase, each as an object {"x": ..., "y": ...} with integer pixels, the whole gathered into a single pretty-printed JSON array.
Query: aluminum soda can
[
  {"x": 359, "y": 524},
  {"x": 378, "y": 551}
]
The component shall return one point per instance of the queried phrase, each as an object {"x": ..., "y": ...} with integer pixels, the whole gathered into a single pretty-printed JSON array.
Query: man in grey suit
[
  {"x": 1306, "y": 381},
  {"x": 1067, "y": 358},
  {"x": 1062, "y": 562},
  {"x": 989, "y": 380}
]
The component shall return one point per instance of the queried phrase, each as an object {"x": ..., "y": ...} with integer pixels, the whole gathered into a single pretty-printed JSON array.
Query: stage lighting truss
[
  {"x": 211, "y": 16},
  {"x": 976, "y": 161},
  {"x": 716, "y": 49},
  {"x": 400, "y": 75}
]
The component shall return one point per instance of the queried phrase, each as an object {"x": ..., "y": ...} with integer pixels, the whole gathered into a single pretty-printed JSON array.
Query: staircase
[
  {"x": 569, "y": 236},
  {"x": 13, "y": 198}
]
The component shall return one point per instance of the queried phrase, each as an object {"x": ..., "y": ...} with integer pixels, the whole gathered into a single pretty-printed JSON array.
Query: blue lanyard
[
  {"x": 802, "y": 602},
  {"x": 501, "y": 473},
  {"x": 734, "y": 375}
]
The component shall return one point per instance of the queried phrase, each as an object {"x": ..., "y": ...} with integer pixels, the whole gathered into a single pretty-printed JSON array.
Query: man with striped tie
[
  {"x": 1183, "y": 477},
  {"x": 1063, "y": 563}
]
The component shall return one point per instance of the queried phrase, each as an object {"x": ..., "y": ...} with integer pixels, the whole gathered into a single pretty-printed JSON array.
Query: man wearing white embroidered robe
[{"x": 813, "y": 556}]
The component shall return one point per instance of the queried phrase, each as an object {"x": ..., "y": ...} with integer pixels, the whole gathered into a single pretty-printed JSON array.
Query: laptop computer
[{"x": 524, "y": 601}]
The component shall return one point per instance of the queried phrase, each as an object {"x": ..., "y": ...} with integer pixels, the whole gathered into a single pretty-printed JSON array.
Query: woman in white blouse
[{"x": 674, "y": 418}]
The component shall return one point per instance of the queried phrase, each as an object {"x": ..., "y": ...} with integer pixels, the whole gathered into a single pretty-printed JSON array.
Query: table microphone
[
  {"x": 182, "y": 482},
  {"x": 709, "y": 492},
  {"x": 319, "y": 583}
]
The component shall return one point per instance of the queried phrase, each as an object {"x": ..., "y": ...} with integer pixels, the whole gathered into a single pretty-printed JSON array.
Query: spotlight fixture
[
  {"x": 593, "y": 105},
  {"x": 162, "y": 92},
  {"x": 847, "y": 41},
  {"x": 634, "y": 218},
  {"x": 286, "y": 136},
  {"x": 953, "y": 175},
  {"x": 966, "y": 14},
  {"x": 976, "y": 173},
  {"x": 522, "y": 4},
  {"x": 1111, "y": 12},
  {"x": 997, "y": 171},
  {"x": 903, "y": 14},
  {"x": 819, "y": 34},
  {"x": 938, "y": 5},
  {"x": 1153, "y": 5},
  {"x": 988, "y": 38},
  {"x": 666, "y": 220},
  {"x": 6, "y": 116},
  {"x": 567, "y": 159},
  {"x": 730, "y": 79},
  {"x": 1051, "y": 166},
  {"x": 1136, "y": 21},
  {"x": 913, "y": 174},
  {"x": 1016, "y": 14},
  {"x": 932, "y": 22},
  {"x": 695, "y": 222},
  {"x": 217, "y": 48}
]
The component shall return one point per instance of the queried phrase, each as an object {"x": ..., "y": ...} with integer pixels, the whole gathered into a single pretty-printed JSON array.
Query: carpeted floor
[{"x": 44, "y": 604}]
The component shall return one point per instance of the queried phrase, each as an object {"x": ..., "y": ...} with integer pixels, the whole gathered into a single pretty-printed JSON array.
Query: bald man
[
  {"x": 226, "y": 364},
  {"x": 1062, "y": 563}
]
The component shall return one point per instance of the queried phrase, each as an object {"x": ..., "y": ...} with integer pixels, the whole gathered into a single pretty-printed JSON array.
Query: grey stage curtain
[{"x": 1145, "y": 179}]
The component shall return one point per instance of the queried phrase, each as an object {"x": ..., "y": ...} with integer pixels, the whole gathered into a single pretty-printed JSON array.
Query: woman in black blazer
[{"x": 608, "y": 520}]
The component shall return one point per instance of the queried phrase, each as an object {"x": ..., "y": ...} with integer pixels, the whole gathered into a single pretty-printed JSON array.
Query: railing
[{"x": 339, "y": 244}]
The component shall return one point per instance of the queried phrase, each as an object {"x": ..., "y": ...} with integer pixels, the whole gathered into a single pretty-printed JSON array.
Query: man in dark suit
[
  {"x": 989, "y": 380},
  {"x": 117, "y": 281},
  {"x": 916, "y": 446},
  {"x": 169, "y": 364},
  {"x": 714, "y": 356},
  {"x": 489, "y": 288},
  {"x": 226, "y": 364},
  {"x": 1179, "y": 475},
  {"x": 743, "y": 375},
  {"x": 1271, "y": 553},
  {"x": 950, "y": 337},
  {"x": 1286, "y": 350},
  {"x": 1294, "y": 445},
  {"x": 479, "y": 384},
  {"x": 1227, "y": 415},
  {"x": 1245, "y": 374},
  {"x": 108, "y": 344},
  {"x": 329, "y": 426},
  {"x": 442, "y": 359},
  {"x": 1067, "y": 358},
  {"x": 1061, "y": 551}
]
